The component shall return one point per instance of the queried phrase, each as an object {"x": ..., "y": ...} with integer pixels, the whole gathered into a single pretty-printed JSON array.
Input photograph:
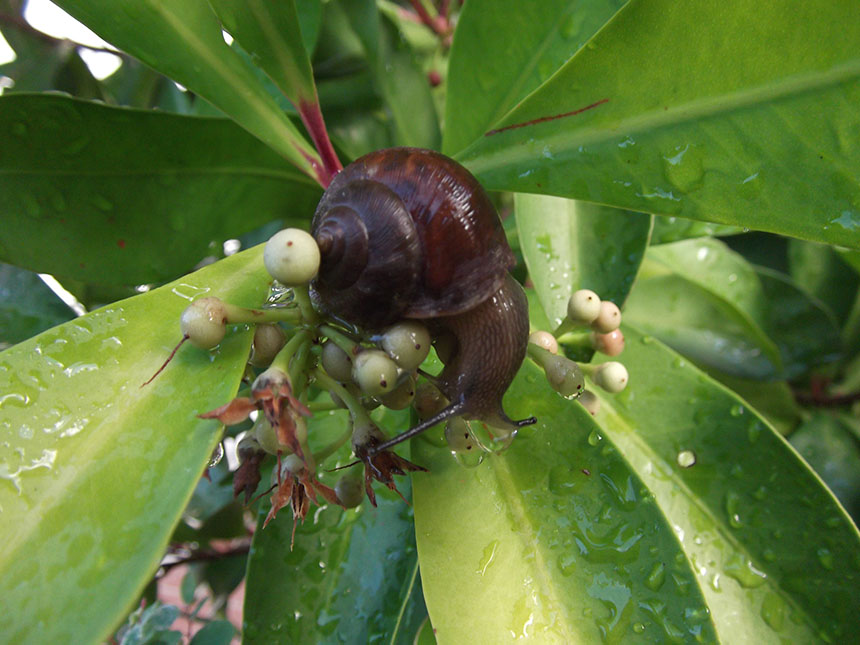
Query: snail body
[{"x": 410, "y": 233}]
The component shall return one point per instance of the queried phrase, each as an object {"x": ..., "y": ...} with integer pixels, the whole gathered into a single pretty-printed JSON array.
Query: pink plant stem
[
  {"x": 438, "y": 24},
  {"x": 313, "y": 119}
]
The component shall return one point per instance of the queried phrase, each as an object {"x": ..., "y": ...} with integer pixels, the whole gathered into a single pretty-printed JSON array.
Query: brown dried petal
[
  {"x": 247, "y": 476},
  {"x": 231, "y": 413}
]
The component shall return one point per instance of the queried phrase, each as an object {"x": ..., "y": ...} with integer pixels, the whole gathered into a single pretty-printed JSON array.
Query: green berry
[
  {"x": 204, "y": 322},
  {"x": 267, "y": 437},
  {"x": 608, "y": 319},
  {"x": 564, "y": 376},
  {"x": 374, "y": 372},
  {"x": 459, "y": 435},
  {"x": 247, "y": 447},
  {"x": 292, "y": 257},
  {"x": 583, "y": 306},
  {"x": 428, "y": 401},
  {"x": 349, "y": 491},
  {"x": 544, "y": 339},
  {"x": 268, "y": 341},
  {"x": 400, "y": 397},
  {"x": 611, "y": 376},
  {"x": 407, "y": 343},
  {"x": 290, "y": 465},
  {"x": 336, "y": 362}
]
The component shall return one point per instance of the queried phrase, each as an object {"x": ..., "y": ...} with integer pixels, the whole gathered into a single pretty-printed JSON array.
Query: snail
[{"x": 408, "y": 233}]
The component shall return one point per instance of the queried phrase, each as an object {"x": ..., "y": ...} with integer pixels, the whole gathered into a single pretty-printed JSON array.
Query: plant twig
[{"x": 210, "y": 555}]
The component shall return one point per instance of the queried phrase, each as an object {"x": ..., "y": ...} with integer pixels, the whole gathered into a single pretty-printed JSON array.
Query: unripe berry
[
  {"x": 336, "y": 362},
  {"x": 407, "y": 343},
  {"x": 400, "y": 397},
  {"x": 247, "y": 447},
  {"x": 590, "y": 402},
  {"x": 583, "y": 306},
  {"x": 267, "y": 437},
  {"x": 292, "y": 257},
  {"x": 290, "y": 465},
  {"x": 564, "y": 376},
  {"x": 608, "y": 319},
  {"x": 459, "y": 435},
  {"x": 375, "y": 373},
  {"x": 204, "y": 322},
  {"x": 544, "y": 339},
  {"x": 268, "y": 341},
  {"x": 428, "y": 401},
  {"x": 611, "y": 344},
  {"x": 349, "y": 491},
  {"x": 611, "y": 376}
]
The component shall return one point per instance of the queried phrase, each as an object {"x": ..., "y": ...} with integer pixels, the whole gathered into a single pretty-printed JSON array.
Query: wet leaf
[
  {"x": 120, "y": 196},
  {"x": 27, "y": 305},
  {"x": 94, "y": 469},
  {"x": 570, "y": 245},
  {"x": 182, "y": 39},
  {"x": 693, "y": 110}
]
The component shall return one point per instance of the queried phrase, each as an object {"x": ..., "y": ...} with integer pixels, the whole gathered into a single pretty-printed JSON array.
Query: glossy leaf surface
[
  {"x": 739, "y": 110},
  {"x": 554, "y": 541},
  {"x": 182, "y": 39},
  {"x": 709, "y": 303},
  {"x": 27, "y": 305},
  {"x": 570, "y": 245},
  {"x": 727, "y": 482},
  {"x": 95, "y": 469},
  {"x": 352, "y": 575},
  {"x": 505, "y": 49},
  {"x": 120, "y": 196}
]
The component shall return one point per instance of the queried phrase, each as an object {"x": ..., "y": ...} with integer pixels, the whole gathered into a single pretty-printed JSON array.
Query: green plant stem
[
  {"x": 303, "y": 299},
  {"x": 579, "y": 339},
  {"x": 322, "y": 406},
  {"x": 237, "y": 315},
  {"x": 282, "y": 358},
  {"x": 359, "y": 414},
  {"x": 567, "y": 325},
  {"x": 340, "y": 339}
]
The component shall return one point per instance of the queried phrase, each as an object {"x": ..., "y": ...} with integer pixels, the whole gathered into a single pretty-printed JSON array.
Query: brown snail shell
[{"x": 410, "y": 233}]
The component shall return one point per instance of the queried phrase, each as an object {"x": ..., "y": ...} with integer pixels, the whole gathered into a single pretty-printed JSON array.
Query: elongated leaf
[
  {"x": 727, "y": 482},
  {"x": 821, "y": 271},
  {"x": 95, "y": 469},
  {"x": 504, "y": 49},
  {"x": 27, "y": 306},
  {"x": 182, "y": 39},
  {"x": 571, "y": 245},
  {"x": 740, "y": 113},
  {"x": 673, "y": 229},
  {"x": 351, "y": 577},
  {"x": 120, "y": 196},
  {"x": 556, "y": 540}
]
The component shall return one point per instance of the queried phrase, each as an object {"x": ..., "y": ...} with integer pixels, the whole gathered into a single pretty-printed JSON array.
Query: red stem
[
  {"x": 439, "y": 24},
  {"x": 313, "y": 119}
]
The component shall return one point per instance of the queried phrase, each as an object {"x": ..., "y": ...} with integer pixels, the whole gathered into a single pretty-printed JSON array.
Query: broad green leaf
[
  {"x": 396, "y": 74},
  {"x": 570, "y": 245},
  {"x": 120, "y": 196},
  {"x": 94, "y": 468},
  {"x": 673, "y": 229},
  {"x": 218, "y": 632},
  {"x": 351, "y": 576},
  {"x": 504, "y": 49},
  {"x": 774, "y": 401},
  {"x": 775, "y": 555},
  {"x": 554, "y": 541},
  {"x": 270, "y": 33},
  {"x": 709, "y": 303},
  {"x": 739, "y": 113},
  {"x": 182, "y": 39},
  {"x": 823, "y": 273},
  {"x": 27, "y": 306},
  {"x": 831, "y": 449}
]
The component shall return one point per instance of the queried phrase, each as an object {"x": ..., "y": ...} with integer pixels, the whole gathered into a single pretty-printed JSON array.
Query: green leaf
[
  {"x": 740, "y": 113},
  {"x": 351, "y": 576},
  {"x": 821, "y": 271},
  {"x": 182, "y": 39},
  {"x": 673, "y": 229},
  {"x": 709, "y": 303},
  {"x": 569, "y": 245},
  {"x": 504, "y": 49},
  {"x": 95, "y": 469},
  {"x": 766, "y": 579},
  {"x": 831, "y": 449},
  {"x": 774, "y": 401},
  {"x": 218, "y": 632},
  {"x": 120, "y": 196},
  {"x": 556, "y": 540},
  {"x": 271, "y": 34},
  {"x": 397, "y": 76},
  {"x": 27, "y": 305}
]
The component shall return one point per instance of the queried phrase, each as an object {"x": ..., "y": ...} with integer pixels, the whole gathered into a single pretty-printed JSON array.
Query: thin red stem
[
  {"x": 439, "y": 24},
  {"x": 312, "y": 117}
]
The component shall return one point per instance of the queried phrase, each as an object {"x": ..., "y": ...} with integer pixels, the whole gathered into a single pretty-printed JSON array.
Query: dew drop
[
  {"x": 594, "y": 438},
  {"x": 743, "y": 570},
  {"x": 736, "y": 410},
  {"x": 683, "y": 168},
  {"x": 733, "y": 503},
  {"x": 572, "y": 25},
  {"x": 638, "y": 628},
  {"x": 686, "y": 458},
  {"x": 825, "y": 557},
  {"x": 773, "y": 611},
  {"x": 487, "y": 557},
  {"x": 656, "y": 577},
  {"x": 102, "y": 203}
]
